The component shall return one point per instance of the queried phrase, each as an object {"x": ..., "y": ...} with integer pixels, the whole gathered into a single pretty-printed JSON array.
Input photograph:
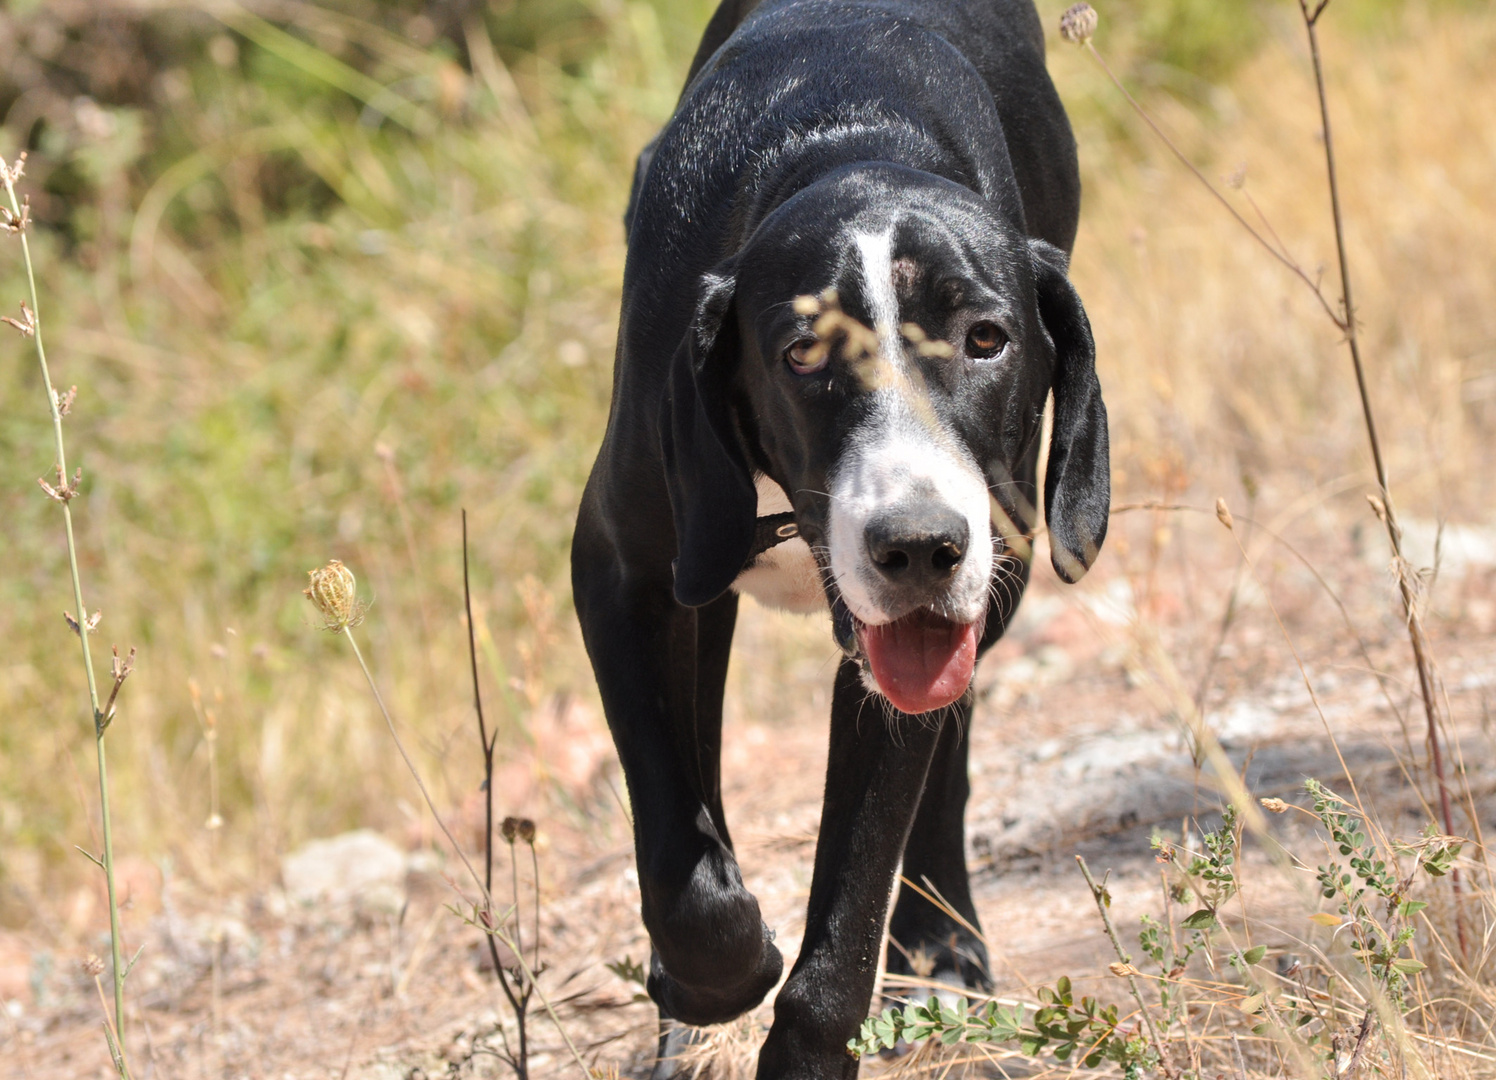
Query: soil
[{"x": 1077, "y": 750}]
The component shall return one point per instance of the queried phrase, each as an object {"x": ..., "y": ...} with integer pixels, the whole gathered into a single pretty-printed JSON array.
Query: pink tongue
[{"x": 922, "y": 662}]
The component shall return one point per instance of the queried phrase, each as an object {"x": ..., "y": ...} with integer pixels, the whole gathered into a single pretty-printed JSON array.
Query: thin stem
[
  {"x": 1283, "y": 258},
  {"x": 535, "y": 942},
  {"x": 519, "y": 958},
  {"x": 111, "y": 1036},
  {"x": 519, "y": 929},
  {"x": 99, "y": 719},
  {"x": 1414, "y": 620},
  {"x": 467, "y": 603},
  {"x": 1099, "y": 895},
  {"x": 521, "y": 1064}
]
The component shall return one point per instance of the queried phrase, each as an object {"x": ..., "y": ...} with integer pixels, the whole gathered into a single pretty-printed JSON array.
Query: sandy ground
[{"x": 1075, "y": 751}]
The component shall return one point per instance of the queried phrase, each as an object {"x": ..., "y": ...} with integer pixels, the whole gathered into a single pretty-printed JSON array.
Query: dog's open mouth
[{"x": 921, "y": 662}]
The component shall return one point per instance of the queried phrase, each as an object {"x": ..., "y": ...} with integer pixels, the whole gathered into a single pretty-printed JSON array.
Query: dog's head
[{"x": 897, "y": 444}]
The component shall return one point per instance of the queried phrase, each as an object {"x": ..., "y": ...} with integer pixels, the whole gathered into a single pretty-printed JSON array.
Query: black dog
[{"x": 913, "y": 156}]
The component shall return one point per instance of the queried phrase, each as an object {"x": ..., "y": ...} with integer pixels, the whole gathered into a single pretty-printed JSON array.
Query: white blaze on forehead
[
  {"x": 902, "y": 454},
  {"x": 876, "y": 250}
]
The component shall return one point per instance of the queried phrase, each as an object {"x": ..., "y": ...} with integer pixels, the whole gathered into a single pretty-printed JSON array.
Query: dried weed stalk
[
  {"x": 518, "y": 984},
  {"x": 16, "y": 219},
  {"x": 332, "y": 589},
  {"x": 1077, "y": 26}
]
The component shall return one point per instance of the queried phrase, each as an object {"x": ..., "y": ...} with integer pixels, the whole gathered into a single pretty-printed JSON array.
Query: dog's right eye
[
  {"x": 807, "y": 356},
  {"x": 985, "y": 340}
]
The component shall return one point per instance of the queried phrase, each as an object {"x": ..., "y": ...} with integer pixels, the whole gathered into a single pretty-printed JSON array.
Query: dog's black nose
[{"x": 918, "y": 546}]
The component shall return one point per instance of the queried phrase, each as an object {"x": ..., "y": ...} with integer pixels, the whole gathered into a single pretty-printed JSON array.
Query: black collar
[{"x": 770, "y": 531}]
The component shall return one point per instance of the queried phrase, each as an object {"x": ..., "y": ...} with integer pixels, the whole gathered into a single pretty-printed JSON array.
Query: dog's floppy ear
[
  {"x": 1077, "y": 484},
  {"x": 712, "y": 497}
]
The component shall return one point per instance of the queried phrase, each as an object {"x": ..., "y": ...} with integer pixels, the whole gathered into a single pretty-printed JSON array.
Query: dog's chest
[{"x": 785, "y": 576}]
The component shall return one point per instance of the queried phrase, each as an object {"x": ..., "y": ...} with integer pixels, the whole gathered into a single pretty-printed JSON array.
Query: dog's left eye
[
  {"x": 807, "y": 356},
  {"x": 985, "y": 339}
]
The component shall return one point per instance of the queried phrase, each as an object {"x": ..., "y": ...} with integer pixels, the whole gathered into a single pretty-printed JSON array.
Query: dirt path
[{"x": 1072, "y": 752}]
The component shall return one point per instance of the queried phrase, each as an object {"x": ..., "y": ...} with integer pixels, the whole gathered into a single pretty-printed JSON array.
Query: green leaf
[
  {"x": 1408, "y": 966},
  {"x": 1408, "y": 908},
  {"x": 1204, "y": 919},
  {"x": 1255, "y": 954}
]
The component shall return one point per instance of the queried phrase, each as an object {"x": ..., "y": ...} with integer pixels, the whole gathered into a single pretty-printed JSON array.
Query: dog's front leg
[
  {"x": 661, "y": 668},
  {"x": 936, "y": 941},
  {"x": 875, "y": 773}
]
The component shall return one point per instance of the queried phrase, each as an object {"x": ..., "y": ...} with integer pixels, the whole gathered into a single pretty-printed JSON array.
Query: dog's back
[{"x": 973, "y": 48}]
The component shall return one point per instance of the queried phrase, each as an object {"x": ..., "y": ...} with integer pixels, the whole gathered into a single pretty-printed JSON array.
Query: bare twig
[
  {"x": 1345, "y": 320},
  {"x": 1281, "y": 255},
  {"x": 332, "y": 589},
  {"x": 493, "y": 929},
  {"x": 1386, "y": 511},
  {"x": 518, "y": 1001}
]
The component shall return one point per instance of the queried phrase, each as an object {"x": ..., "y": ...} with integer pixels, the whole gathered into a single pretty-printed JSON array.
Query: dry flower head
[
  {"x": 331, "y": 590},
  {"x": 9, "y": 174},
  {"x": 91, "y": 623},
  {"x": 1078, "y": 23},
  {"x": 12, "y": 222},
  {"x": 26, "y": 324},
  {"x": 64, "y": 491}
]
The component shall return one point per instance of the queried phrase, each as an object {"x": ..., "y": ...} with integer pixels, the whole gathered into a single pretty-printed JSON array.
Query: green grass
[{"x": 314, "y": 288}]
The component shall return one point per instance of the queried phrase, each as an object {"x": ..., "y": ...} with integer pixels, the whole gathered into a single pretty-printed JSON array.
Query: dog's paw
[{"x": 700, "y": 1005}]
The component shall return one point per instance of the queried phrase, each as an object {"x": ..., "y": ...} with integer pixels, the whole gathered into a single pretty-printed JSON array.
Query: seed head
[
  {"x": 1275, "y": 806},
  {"x": 527, "y": 830},
  {"x": 331, "y": 591},
  {"x": 1078, "y": 23},
  {"x": 1121, "y": 969},
  {"x": 9, "y": 174},
  {"x": 93, "y": 967},
  {"x": 1223, "y": 514},
  {"x": 509, "y": 829}
]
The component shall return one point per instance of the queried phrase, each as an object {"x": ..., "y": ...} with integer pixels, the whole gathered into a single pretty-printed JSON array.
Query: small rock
[{"x": 343, "y": 868}]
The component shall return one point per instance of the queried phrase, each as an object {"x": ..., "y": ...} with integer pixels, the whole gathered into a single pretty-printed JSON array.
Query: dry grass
[{"x": 262, "y": 388}]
